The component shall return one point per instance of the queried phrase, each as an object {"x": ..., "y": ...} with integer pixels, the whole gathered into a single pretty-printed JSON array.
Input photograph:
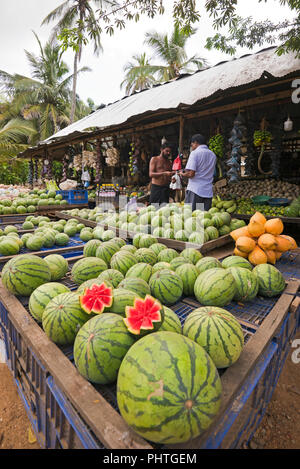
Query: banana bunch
[
  {"x": 228, "y": 206},
  {"x": 216, "y": 144},
  {"x": 133, "y": 169},
  {"x": 261, "y": 137}
]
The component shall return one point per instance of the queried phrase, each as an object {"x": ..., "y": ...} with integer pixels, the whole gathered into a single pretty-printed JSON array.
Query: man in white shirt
[{"x": 199, "y": 170}]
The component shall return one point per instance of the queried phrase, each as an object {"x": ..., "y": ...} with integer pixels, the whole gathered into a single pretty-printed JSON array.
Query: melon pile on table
[{"x": 28, "y": 202}]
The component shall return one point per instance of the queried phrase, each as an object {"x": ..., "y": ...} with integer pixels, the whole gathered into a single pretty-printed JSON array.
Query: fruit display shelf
[
  {"x": 292, "y": 220},
  {"x": 66, "y": 411}
]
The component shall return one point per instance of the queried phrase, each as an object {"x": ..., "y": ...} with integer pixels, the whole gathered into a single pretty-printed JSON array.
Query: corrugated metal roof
[{"x": 186, "y": 90}]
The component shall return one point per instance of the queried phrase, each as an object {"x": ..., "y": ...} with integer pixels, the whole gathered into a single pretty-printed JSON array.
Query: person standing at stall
[
  {"x": 199, "y": 170},
  {"x": 160, "y": 173}
]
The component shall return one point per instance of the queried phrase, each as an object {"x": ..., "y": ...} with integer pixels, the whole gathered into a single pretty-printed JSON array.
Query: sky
[{"x": 18, "y": 18}]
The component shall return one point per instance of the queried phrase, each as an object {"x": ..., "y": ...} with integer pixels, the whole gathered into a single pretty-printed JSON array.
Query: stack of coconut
[
  {"x": 262, "y": 241},
  {"x": 269, "y": 187}
]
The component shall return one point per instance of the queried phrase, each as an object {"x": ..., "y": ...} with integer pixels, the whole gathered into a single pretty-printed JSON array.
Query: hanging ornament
[
  {"x": 237, "y": 135},
  {"x": 288, "y": 125}
]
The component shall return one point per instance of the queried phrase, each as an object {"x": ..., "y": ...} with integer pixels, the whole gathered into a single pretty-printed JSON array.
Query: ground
[{"x": 279, "y": 429}]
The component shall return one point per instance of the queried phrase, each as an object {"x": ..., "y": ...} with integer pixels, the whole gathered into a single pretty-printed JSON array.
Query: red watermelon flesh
[
  {"x": 96, "y": 298},
  {"x": 145, "y": 316}
]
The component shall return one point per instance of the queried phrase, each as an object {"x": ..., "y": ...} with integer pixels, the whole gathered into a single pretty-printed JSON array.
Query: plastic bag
[
  {"x": 67, "y": 185},
  {"x": 176, "y": 182},
  {"x": 177, "y": 164}
]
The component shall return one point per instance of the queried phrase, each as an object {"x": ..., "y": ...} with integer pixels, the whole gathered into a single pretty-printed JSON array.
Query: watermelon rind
[
  {"x": 42, "y": 295},
  {"x": 215, "y": 287}
]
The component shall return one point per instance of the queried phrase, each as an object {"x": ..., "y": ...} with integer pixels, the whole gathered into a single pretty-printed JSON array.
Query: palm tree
[
  {"x": 71, "y": 13},
  {"x": 140, "y": 74},
  {"x": 171, "y": 51}
]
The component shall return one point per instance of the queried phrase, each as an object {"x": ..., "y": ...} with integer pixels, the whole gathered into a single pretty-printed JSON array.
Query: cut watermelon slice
[
  {"x": 96, "y": 298},
  {"x": 146, "y": 315}
]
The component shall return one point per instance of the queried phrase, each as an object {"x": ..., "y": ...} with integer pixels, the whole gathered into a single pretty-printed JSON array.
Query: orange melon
[
  {"x": 271, "y": 256},
  {"x": 274, "y": 226},
  {"x": 256, "y": 229},
  {"x": 259, "y": 218},
  {"x": 237, "y": 252},
  {"x": 293, "y": 242},
  {"x": 235, "y": 234},
  {"x": 257, "y": 256},
  {"x": 282, "y": 244},
  {"x": 245, "y": 244},
  {"x": 267, "y": 241}
]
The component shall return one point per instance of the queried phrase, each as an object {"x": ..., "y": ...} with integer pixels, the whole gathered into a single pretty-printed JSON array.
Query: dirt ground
[{"x": 279, "y": 429}]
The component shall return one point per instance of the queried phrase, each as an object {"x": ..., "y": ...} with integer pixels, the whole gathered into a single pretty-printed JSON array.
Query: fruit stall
[{"x": 78, "y": 352}]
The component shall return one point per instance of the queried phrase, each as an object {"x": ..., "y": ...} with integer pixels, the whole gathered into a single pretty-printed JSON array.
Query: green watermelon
[
  {"x": 22, "y": 274},
  {"x": 63, "y": 317},
  {"x": 10, "y": 229},
  {"x": 122, "y": 261},
  {"x": 168, "y": 388},
  {"x": 215, "y": 287},
  {"x": 100, "y": 346},
  {"x": 58, "y": 266},
  {"x": 146, "y": 255},
  {"x": 86, "y": 236},
  {"x": 140, "y": 270},
  {"x": 177, "y": 262},
  {"x": 196, "y": 238},
  {"x": 246, "y": 283},
  {"x": 90, "y": 282},
  {"x": 166, "y": 286},
  {"x": 188, "y": 274},
  {"x": 62, "y": 239},
  {"x": 121, "y": 299},
  {"x": 157, "y": 248},
  {"x": 27, "y": 225},
  {"x": 112, "y": 276},
  {"x": 161, "y": 266},
  {"x": 147, "y": 240},
  {"x": 86, "y": 268},
  {"x": 192, "y": 255},
  {"x": 129, "y": 247},
  {"x": 137, "y": 285},
  {"x": 42, "y": 295},
  {"x": 9, "y": 246},
  {"x": 212, "y": 232},
  {"x": 106, "y": 250},
  {"x": 270, "y": 279},
  {"x": 91, "y": 247},
  {"x": 236, "y": 261},
  {"x": 166, "y": 255},
  {"x": 171, "y": 321},
  {"x": 218, "y": 332},
  {"x": 208, "y": 263}
]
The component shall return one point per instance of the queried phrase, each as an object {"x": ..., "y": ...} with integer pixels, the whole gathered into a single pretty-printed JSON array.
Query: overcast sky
[{"x": 18, "y": 18}]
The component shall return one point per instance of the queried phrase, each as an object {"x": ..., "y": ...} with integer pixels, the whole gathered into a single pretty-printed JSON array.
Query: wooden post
[{"x": 181, "y": 132}]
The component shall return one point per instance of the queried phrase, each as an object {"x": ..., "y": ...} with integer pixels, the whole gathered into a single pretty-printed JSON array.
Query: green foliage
[{"x": 14, "y": 173}]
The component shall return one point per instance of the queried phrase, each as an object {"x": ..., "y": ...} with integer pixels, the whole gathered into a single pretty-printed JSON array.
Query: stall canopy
[{"x": 182, "y": 92}]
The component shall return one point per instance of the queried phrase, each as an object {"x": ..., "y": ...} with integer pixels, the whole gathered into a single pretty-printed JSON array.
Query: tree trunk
[{"x": 73, "y": 104}]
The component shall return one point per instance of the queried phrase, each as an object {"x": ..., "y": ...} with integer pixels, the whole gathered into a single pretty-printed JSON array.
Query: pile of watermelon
[
  {"x": 28, "y": 202},
  {"x": 173, "y": 221}
]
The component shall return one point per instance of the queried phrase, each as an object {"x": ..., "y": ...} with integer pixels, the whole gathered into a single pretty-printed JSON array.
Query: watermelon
[
  {"x": 41, "y": 296},
  {"x": 188, "y": 274},
  {"x": 112, "y": 276},
  {"x": 86, "y": 236},
  {"x": 106, "y": 251},
  {"x": 58, "y": 266},
  {"x": 171, "y": 321},
  {"x": 168, "y": 388},
  {"x": 215, "y": 287},
  {"x": 122, "y": 261},
  {"x": 166, "y": 255},
  {"x": 86, "y": 268},
  {"x": 192, "y": 255},
  {"x": 236, "y": 261},
  {"x": 157, "y": 248},
  {"x": 166, "y": 286},
  {"x": 63, "y": 317},
  {"x": 208, "y": 263},
  {"x": 62, "y": 239},
  {"x": 145, "y": 316},
  {"x": 129, "y": 247},
  {"x": 270, "y": 279},
  {"x": 90, "y": 282},
  {"x": 96, "y": 298},
  {"x": 22, "y": 274},
  {"x": 100, "y": 346},
  {"x": 136, "y": 240},
  {"x": 9, "y": 246},
  {"x": 27, "y": 225},
  {"x": 178, "y": 261},
  {"x": 10, "y": 229},
  {"x": 147, "y": 240},
  {"x": 218, "y": 332},
  {"x": 212, "y": 232},
  {"x": 91, "y": 247},
  {"x": 196, "y": 238},
  {"x": 161, "y": 266},
  {"x": 119, "y": 241},
  {"x": 246, "y": 283},
  {"x": 35, "y": 242},
  {"x": 146, "y": 255},
  {"x": 121, "y": 299},
  {"x": 137, "y": 285}
]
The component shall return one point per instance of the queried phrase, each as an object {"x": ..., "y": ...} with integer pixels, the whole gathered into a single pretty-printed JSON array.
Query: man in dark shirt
[{"x": 160, "y": 172}]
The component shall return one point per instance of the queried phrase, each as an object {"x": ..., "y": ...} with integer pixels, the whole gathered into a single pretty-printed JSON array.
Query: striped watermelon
[
  {"x": 270, "y": 279},
  {"x": 160, "y": 266},
  {"x": 41, "y": 296},
  {"x": 136, "y": 240},
  {"x": 166, "y": 255},
  {"x": 207, "y": 263},
  {"x": 166, "y": 286},
  {"x": 192, "y": 255},
  {"x": 171, "y": 321},
  {"x": 188, "y": 274},
  {"x": 106, "y": 250},
  {"x": 236, "y": 261},
  {"x": 146, "y": 255},
  {"x": 112, "y": 276},
  {"x": 91, "y": 247},
  {"x": 140, "y": 270},
  {"x": 119, "y": 241},
  {"x": 90, "y": 282},
  {"x": 129, "y": 247},
  {"x": 215, "y": 287},
  {"x": 147, "y": 240},
  {"x": 137, "y": 285},
  {"x": 246, "y": 283},
  {"x": 178, "y": 261},
  {"x": 86, "y": 268},
  {"x": 21, "y": 275},
  {"x": 9, "y": 246},
  {"x": 218, "y": 332},
  {"x": 100, "y": 346},
  {"x": 121, "y": 299},
  {"x": 58, "y": 266},
  {"x": 63, "y": 317},
  {"x": 122, "y": 261},
  {"x": 157, "y": 248},
  {"x": 168, "y": 388}
]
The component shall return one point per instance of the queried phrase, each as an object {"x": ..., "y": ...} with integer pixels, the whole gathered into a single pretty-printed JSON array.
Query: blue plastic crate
[{"x": 75, "y": 196}]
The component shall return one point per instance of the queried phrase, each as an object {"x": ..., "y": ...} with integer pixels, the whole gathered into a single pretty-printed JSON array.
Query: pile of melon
[{"x": 262, "y": 241}]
